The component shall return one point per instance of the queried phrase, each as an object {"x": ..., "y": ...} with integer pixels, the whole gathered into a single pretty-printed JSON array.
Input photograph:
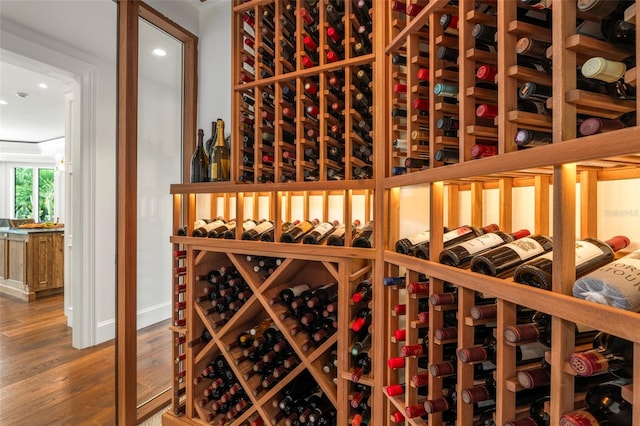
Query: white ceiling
[{"x": 39, "y": 116}]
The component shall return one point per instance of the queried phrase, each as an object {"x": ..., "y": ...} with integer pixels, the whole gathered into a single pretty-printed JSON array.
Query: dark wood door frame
[{"x": 129, "y": 12}]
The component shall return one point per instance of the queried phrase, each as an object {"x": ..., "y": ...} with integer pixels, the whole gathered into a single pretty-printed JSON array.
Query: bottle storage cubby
[
  {"x": 336, "y": 218},
  {"x": 254, "y": 325},
  {"x": 304, "y": 92},
  {"x": 488, "y": 124}
]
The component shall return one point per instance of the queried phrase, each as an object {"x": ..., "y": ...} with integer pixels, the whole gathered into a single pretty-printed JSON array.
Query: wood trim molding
[
  {"x": 129, "y": 13},
  {"x": 127, "y": 146}
]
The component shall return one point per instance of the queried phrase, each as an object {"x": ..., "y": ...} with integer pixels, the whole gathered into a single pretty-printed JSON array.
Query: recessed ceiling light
[
  {"x": 159, "y": 52},
  {"x": 3, "y": 102},
  {"x": 42, "y": 85}
]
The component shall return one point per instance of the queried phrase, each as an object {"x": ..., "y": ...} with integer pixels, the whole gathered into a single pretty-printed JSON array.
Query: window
[{"x": 28, "y": 189}]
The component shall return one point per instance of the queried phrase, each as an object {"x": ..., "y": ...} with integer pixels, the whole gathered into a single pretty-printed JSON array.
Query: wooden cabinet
[{"x": 32, "y": 263}]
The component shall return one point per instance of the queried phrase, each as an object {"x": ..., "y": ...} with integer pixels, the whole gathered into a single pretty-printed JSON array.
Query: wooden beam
[
  {"x": 588, "y": 204},
  {"x": 126, "y": 264}
]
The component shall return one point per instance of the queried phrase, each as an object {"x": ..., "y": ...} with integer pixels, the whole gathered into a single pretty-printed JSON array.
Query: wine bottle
[
  {"x": 363, "y": 292},
  {"x": 320, "y": 233},
  {"x": 614, "y": 284},
  {"x": 203, "y": 230},
  {"x": 502, "y": 261},
  {"x": 460, "y": 255},
  {"x": 200, "y": 161},
  {"x": 481, "y": 150},
  {"x": 453, "y": 237},
  {"x": 361, "y": 366},
  {"x": 337, "y": 238},
  {"x": 208, "y": 145},
  {"x": 526, "y": 353},
  {"x": 364, "y": 238},
  {"x": 590, "y": 254},
  {"x": 361, "y": 320},
  {"x": 530, "y": 47},
  {"x": 605, "y": 405},
  {"x": 540, "y": 329},
  {"x": 255, "y": 232},
  {"x": 594, "y": 125},
  {"x": 269, "y": 234},
  {"x": 220, "y": 166},
  {"x": 218, "y": 231},
  {"x": 447, "y": 155},
  {"x": 296, "y": 233},
  {"x": 611, "y": 352},
  {"x": 611, "y": 72},
  {"x": 530, "y": 138},
  {"x": 407, "y": 244}
]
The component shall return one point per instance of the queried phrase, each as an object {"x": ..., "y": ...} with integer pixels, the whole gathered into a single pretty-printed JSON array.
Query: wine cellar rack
[{"x": 423, "y": 139}]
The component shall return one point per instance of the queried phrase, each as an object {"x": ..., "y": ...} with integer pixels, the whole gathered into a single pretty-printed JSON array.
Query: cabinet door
[
  {"x": 3, "y": 256},
  {"x": 39, "y": 262},
  {"x": 57, "y": 266}
]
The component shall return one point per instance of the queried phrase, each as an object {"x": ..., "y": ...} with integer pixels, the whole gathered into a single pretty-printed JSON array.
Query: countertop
[{"x": 27, "y": 231}]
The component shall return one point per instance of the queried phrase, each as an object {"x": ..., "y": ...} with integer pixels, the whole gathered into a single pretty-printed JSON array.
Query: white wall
[
  {"x": 86, "y": 31},
  {"x": 214, "y": 65}
]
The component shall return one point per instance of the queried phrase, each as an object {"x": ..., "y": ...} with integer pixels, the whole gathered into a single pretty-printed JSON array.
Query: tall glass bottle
[
  {"x": 200, "y": 161},
  {"x": 220, "y": 166},
  {"x": 209, "y": 143}
]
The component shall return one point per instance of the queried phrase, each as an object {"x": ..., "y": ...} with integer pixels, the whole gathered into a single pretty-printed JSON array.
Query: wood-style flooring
[{"x": 44, "y": 381}]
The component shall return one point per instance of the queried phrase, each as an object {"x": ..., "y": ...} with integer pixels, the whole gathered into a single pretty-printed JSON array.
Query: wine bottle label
[
  {"x": 526, "y": 248},
  {"x": 248, "y": 224},
  {"x": 463, "y": 230},
  {"x": 482, "y": 242},
  {"x": 213, "y": 225},
  {"x": 616, "y": 284},
  {"x": 533, "y": 351},
  {"x": 263, "y": 227},
  {"x": 199, "y": 224},
  {"x": 419, "y": 238},
  {"x": 305, "y": 226},
  {"x": 585, "y": 251},
  {"x": 339, "y": 232},
  {"x": 323, "y": 228}
]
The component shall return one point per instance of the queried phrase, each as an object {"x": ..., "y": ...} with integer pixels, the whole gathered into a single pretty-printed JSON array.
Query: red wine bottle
[
  {"x": 590, "y": 254},
  {"x": 540, "y": 329},
  {"x": 458, "y": 235},
  {"x": 605, "y": 405},
  {"x": 296, "y": 233},
  {"x": 320, "y": 233},
  {"x": 611, "y": 352},
  {"x": 460, "y": 255},
  {"x": 363, "y": 292},
  {"x": 502, "y": 261},
  {"x": 525, "y": 353}
]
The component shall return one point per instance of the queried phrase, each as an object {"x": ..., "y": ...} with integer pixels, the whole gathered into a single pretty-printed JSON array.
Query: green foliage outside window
[
  {"x": 24, "y": 194},
  {"x": 24, "y": 191},
  {"x": 45, "y": 195}
]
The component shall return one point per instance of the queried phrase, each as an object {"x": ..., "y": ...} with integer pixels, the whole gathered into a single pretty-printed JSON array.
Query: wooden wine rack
[
  {"x": 553, "y": 171},
  {"x": 560, "y": 166}
]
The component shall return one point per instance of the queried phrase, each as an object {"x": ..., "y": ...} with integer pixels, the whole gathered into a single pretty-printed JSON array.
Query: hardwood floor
[{"x": 44, "y": 381}]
